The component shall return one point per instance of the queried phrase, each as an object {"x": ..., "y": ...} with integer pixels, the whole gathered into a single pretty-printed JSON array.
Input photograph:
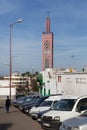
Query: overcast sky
[{"x": 68, "y": 23}]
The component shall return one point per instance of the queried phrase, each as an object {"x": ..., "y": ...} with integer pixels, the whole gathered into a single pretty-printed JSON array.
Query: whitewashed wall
[
  {"x": 70, "y": 83},
  {"x": 4, "y": 83},
  {"x": 5, "y": 91},
  {"x": 73, "y": 84}
]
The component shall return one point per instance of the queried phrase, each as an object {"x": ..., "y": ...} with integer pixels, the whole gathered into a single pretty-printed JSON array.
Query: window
[
  {"x": 81, "y": 80},
  {"x": 46, "y": 63},
  {"x": 82, "y": 104},
  {"x": 64, "y": 105},
  {"x": 59, "y": 78},
  {"x": 46, "y": 103}
]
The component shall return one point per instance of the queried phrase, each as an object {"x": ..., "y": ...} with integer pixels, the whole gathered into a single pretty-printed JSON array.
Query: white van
[
  {"x": 45, "y": 105},
  {"x": 75, "y": 123},
  {"x": 67, "y": 107}
]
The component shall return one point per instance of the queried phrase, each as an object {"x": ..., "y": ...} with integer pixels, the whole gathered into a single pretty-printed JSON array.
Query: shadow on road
[
  {"x": 1, "y": 107},
  {"x": 5, "y": 126}
]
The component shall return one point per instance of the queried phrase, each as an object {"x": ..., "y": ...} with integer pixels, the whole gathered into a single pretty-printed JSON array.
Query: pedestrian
[{"x": 7, "y": 104}]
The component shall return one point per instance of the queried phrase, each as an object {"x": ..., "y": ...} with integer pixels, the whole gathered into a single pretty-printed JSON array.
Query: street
[{"x": 16, "y": 120}]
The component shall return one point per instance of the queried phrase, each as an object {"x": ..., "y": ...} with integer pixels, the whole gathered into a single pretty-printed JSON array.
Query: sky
[{"x": 68, "y": 24}]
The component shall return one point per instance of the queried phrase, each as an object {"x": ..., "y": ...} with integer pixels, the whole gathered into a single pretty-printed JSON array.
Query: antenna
[
  {"x": 73, "y": 60},
  {"x": 48, "y": 13},
  {"x": 48, "y": 23}
]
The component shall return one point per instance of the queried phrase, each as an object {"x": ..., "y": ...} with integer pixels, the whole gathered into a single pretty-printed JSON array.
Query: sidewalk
[{"x": 16, "y": 120}]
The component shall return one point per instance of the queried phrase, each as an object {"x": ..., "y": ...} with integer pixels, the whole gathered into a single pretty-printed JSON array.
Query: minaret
[
  {"x": 47, "y": 46},
  {"x": 48, "y": 24}
]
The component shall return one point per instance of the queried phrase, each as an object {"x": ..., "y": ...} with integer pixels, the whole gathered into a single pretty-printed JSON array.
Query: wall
[
  {"x": 4, "y": 92},
  {"x": 67, "y": 83},
  {"x": 4, "y": 83},
  {"x": 72, "y": 83}
]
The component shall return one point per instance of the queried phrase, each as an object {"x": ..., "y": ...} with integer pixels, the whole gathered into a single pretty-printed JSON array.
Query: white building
[
  {"x": 64, "y": 81},
  {"x": 17, "y": 81}
]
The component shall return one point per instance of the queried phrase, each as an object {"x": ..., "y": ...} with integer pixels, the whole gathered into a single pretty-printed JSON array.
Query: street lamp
[{"x": 11, "y": 25}]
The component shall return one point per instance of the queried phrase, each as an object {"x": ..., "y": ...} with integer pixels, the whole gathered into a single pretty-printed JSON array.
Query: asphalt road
[{"x": 16, "y": 120}]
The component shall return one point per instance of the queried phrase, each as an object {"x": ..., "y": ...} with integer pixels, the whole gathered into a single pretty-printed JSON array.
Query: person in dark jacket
[{"x": 7, "y": 104}]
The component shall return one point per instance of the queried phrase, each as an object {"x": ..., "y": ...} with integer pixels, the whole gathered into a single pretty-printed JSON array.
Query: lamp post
[{"x": 11, "y": 25}]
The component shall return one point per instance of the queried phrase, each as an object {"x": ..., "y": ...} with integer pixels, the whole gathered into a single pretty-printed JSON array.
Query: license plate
[
  {"x": 26, "y": 110},
  {"x": 39, "y": 119},
  {"x": 20, "y": 108},
  {"x": 35, "y": 115},
  {"x": 46, "y": 124}
]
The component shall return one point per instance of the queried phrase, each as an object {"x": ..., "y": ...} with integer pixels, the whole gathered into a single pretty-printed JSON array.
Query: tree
[
  {"x": 36, "y": 80},
  {"x": 34, "y": 86},
  {"x": 40, "y": 81},
  {"x": 26, "y": 74}
]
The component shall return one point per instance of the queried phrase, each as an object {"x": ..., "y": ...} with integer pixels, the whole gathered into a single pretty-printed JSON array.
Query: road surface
[{"x": 16, "y": 120}]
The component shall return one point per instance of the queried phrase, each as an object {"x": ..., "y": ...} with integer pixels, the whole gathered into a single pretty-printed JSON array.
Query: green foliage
[
  {"x": 40, "y": 79},
  {"x": 26, "y": 74},
  {"x": 34, "y": 85},
  {"x": 36, "y": 80}
]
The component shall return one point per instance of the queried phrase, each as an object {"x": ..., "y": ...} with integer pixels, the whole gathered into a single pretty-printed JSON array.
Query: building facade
[
  {"x": 65, "y": 82},
  {"x": 18, "y": 84}
]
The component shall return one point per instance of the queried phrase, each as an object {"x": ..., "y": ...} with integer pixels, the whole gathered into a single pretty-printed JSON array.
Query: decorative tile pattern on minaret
[{"x": 47, "y": 47}]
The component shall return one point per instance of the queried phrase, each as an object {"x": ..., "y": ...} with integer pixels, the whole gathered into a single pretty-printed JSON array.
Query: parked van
[
  {"x": 67, "y": 107},
  {"x": 75, "y": 123},
  {"x": 45, "y": 105}
]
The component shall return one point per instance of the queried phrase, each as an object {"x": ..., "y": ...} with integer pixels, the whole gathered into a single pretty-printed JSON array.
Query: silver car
[{"x": 76, "y": 123}]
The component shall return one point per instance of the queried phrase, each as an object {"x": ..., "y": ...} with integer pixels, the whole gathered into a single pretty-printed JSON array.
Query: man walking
[{"x": 7, "y": 104}]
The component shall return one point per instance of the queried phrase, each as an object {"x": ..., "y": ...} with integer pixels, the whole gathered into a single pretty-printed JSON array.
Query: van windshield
[
  {"x": 46, "y": 103},
  {"x": 64, "y": 105}
]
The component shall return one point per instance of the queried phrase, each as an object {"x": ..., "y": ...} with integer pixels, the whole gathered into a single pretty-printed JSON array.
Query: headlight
[
  {"x": 75, "y": 128},
  {"x": 57, "y": 118}
]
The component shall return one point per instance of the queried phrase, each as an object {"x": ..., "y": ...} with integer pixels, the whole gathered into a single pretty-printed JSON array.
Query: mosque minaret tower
[{"x": 47, "y": 46}]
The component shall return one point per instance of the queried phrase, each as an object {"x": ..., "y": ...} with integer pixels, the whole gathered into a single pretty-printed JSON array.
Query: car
[
  {"x": 23, "y": 105},
  {"x": 43, "y": 112},
  {"x": 34, "y": 104},
  {"x": 27, "y": 98},
  {"x": 40, "y": 114},
  {"x": 19, "y": 99},
  {"x": 68, "y": 107},
  {"x": 76, "y": 123},
  {"x": 45, "y": 105}
]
